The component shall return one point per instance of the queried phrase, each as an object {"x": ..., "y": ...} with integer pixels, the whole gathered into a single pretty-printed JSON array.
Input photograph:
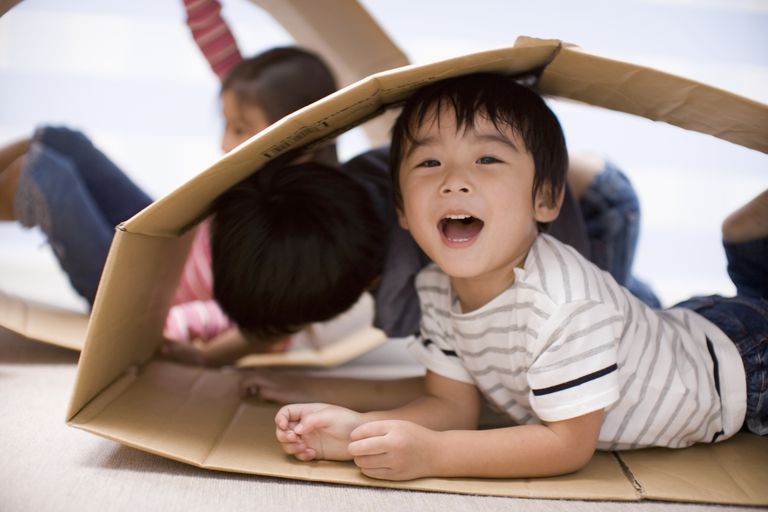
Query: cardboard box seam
[
  {"x": 106, "y": 396},
  {"x": 630, "y": 476}
]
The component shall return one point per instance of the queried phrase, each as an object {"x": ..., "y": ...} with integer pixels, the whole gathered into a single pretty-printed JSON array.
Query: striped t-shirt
[
  {"x": 212, "y": 35},
  {"x": 566, "y": 340}
]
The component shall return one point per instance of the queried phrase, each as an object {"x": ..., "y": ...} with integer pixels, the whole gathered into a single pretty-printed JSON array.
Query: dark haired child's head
[
  {"x": 501, "y": 100},
  {"x": 478, "y": 165},
  {"x": 267, "y": 87},
  {"x": 293, "y": 245}
]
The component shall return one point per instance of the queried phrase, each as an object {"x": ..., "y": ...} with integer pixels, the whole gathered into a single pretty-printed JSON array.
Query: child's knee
[{"x": 62, "y": 138}]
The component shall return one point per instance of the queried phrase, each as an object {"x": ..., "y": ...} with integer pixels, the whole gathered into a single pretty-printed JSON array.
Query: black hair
[
  {"x": 280, "y": 80},
  {"x": 507, "y": 104},
  {"x": 293, "y": 245}
]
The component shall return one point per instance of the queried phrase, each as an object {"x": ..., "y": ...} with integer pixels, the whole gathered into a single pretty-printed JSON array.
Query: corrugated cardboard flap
[
  {"x": 194, "y": 415},
  {"x": 733, "y": 471},
  {"x": 43, "y": 322}
]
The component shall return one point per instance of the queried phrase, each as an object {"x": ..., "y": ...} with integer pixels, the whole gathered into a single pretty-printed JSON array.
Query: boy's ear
[
  {"x": 401, "y": 219},
  {"x": 545, "y": 210}
]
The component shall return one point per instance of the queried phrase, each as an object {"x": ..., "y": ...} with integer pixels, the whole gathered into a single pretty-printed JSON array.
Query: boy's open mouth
[{"x": 460, "y": 228}]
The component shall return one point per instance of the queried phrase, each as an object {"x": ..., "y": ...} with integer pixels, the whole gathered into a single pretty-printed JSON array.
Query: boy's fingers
[
  {"x": 313, "y": 421},
  {"x": 286, "y": 415},
  {"x": 372, "y": 462},
  {"x": 286, "y": 435},
  {"x": 370, "y": 429},
  {"x": 306, "y": 455},
  {"x": 367, "y": 447},
  {"x": 295, "y": 448},
  {"x": 379, "y": 473}
]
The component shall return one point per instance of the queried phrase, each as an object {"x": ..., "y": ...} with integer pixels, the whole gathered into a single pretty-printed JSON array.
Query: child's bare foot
[{"x": 749, "y": 222}]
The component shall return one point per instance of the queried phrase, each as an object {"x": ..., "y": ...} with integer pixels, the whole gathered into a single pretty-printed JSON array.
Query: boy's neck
[{"x": 475, "y": 292}]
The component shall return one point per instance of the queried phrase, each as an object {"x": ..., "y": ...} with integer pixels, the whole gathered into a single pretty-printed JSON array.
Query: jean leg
[
  {"x": 112, "y": 192},
  {"x": 51, "y": 195},
  {"x": 748, "y": 267},
  {"x": 611, "y": 212},
  {"x": 745, "y": 321}
]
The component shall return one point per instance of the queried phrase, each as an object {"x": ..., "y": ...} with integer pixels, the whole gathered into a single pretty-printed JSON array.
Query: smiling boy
[{"x": 574, "y": 360}]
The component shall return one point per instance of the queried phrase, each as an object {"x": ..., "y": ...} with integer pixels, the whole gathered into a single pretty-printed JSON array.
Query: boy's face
[
  {"x": 241, "y": 122},
  {"x": 467, "y": 198}
]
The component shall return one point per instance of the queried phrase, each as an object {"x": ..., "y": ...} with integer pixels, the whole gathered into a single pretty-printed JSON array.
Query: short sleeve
[
  {"x": 439, "y": 359},
  {"x": 575, "y": 366}
]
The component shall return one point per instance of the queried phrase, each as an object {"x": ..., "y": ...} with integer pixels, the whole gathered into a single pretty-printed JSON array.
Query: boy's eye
[
  {"x": 429, "y": 163},
  {"x": 485, "y": 160}
]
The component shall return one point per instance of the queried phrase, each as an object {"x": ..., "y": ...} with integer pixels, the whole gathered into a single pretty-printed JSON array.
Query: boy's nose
[{"x": 455, "y": 181}]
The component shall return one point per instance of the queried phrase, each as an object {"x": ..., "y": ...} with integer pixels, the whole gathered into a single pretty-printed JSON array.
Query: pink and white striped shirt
[
  {"x": 195, "y": 315},
  {"x": 212, "y": 35}
]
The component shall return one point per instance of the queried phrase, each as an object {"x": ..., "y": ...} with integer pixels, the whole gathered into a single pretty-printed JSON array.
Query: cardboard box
[
  {"x": 123, "y": 392},
  {"x": 43, "y": 322}
]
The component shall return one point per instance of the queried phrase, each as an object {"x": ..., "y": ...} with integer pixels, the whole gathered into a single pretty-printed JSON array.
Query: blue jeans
[
  {"x": 744, "y": 319},
  {"x": 77, "y": 196},
  {"x": 611, "y": 213}
]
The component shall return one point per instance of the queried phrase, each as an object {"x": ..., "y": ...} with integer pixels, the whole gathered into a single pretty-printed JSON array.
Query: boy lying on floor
[{"x": 575, "y": 360}]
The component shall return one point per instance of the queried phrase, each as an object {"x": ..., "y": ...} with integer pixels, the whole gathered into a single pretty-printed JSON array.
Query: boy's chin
[{"x": 460, "y": 269}]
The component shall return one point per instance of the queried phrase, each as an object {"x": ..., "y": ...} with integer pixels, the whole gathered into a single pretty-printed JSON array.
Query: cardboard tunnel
[{"x": 123, "y": 392}]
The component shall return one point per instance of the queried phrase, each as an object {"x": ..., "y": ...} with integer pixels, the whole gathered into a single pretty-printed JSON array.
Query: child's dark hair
[
  {"x": 280, "y": 80},
  {"x": 293, "y": 245},
  {"x": 505, "y": 103}
]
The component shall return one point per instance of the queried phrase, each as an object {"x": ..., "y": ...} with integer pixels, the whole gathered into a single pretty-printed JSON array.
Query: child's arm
[
  {"x": 321, "y": 431},
  {"x": 287, "y": 387},
  {"x": 212, "y": 35},
  {"x": 398, "y": 450},
  {"x": 434, "y": 436},
  {"x": 225, "y": 348}
]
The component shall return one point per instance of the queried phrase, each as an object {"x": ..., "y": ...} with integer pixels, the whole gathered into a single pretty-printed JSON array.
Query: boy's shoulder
[{"x": 559, "y": 271}]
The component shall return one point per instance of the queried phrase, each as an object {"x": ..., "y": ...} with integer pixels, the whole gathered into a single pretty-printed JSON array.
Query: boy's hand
[
  {"x": 316, "y": 431},
  {"x": 394, "y": 449},
  {"x": 183, "y": 353}
]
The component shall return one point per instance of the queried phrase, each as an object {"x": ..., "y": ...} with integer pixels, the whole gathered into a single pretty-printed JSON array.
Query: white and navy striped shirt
[{"x": 565, "y": 340}]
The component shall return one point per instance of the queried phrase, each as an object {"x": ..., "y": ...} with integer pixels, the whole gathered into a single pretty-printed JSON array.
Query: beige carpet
[{"x": 47, "y": 466}]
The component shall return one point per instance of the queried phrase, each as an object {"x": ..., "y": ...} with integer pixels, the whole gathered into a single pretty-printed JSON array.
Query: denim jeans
[
  {"x": 77, "y": 196},
  {"x": 744, "y": 319},
  {"x": 611, "y": 213}
]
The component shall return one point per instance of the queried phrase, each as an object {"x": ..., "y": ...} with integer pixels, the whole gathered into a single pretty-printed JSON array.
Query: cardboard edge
[
  {"x": 45, "y": 323},
  {"x": 326, "y": 118},
  {"x": 348, "y": 348},
  {"x": 675, "y": 100}
]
